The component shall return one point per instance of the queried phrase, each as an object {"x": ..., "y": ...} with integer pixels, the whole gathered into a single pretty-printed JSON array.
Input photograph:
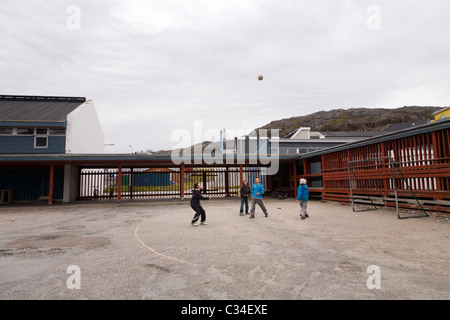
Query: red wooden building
[{"x": 412, "y": 165}]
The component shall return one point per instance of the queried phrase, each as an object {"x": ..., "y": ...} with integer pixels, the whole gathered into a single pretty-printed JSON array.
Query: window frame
[
  {"x": 38, "y": 137},
  {"x": 62, "y": 132},
  {"x": 7, "y": 134},
  {"x": 25, "y": 134}
]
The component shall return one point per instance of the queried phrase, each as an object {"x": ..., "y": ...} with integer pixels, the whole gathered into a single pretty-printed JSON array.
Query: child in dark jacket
[
  {"x": 303, "y": 196},
  {"x": 195, "y": 205},
  {"x": 245, "y": 192}
]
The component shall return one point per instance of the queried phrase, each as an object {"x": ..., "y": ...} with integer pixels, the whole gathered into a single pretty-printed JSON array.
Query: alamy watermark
[
  {"x": 374, "y": 20},
  {"x": 374, "y": 280},
  {"x": 74, "y": 280},
  {"x": 73, "y": 21},
  {"x": 260, "y": 147}
]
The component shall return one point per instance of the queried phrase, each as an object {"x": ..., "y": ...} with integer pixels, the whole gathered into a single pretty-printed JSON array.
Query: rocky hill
[{"x": 356, "y": 119}]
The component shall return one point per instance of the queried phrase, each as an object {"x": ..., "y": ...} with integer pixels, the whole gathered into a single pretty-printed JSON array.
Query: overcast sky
[{"x": 152, "y": 67}]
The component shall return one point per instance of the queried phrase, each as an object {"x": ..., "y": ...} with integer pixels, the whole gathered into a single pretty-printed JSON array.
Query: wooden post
[
  {"x": 305, "y": 169},
  {"x": 241, "y": 174},
  {"x": 182, "y": 181},
  {"x": 270, "y": 181},
  {"x": 295, "y": 179},
  {"x": 436, "y": 155},
  {"x": 322, "y": 169},
  {"x": 119, "y": 184},
  {"x": 51, "y": 183},
  {"x": 227, "y": 183},
  {"x": 204, "y": 183},
  {"x": 79, "y": 183},
  {"x": 131, "y": 184}
]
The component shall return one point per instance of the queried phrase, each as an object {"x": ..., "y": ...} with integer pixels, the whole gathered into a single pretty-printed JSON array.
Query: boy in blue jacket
[
  {"x": 257, "y": 192},
  {"x": 303, "y": 196}
]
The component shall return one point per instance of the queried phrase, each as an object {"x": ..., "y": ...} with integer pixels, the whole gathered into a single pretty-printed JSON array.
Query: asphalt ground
[{"x": 149, "y": 250}]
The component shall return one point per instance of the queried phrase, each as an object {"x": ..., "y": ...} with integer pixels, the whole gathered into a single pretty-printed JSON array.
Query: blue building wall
[
  {"x": 152, "y": 179},
  {"x": 17, "y": 144},
  {"x": 31, "y": 183}
]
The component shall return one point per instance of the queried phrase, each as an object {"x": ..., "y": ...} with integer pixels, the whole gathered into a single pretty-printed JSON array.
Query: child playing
[
  {"x": 302, "y": 196},
  {"x": 195, "y": 205},
  {"x": 245, "y": 192},
  {"x": 257, "y": 192}
]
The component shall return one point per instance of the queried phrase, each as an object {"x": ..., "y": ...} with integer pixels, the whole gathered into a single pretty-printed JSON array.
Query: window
[
  {"x": 40, "y": 142},
  {"x": 316, "y": 167},
  {"x": 60, "y": 132},
  {"x": 25, "y": 131},
  {"x": 41, "y": 138},
  {"x": 40, "y": 135},
  {"x": 5, "y": 130},
  {"x": 41, "y": 131},
  {"x": 274, "y": 150}
]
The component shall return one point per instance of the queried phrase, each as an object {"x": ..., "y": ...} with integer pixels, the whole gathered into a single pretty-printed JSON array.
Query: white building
[{"x": 49, "y": 125}]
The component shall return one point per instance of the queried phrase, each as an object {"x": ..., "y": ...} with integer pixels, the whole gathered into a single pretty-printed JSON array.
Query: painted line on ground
[{"x": 158, "y": 253}]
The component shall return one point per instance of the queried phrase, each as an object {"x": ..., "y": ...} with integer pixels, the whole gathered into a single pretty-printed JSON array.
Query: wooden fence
[{"x": 423, "y": 162}]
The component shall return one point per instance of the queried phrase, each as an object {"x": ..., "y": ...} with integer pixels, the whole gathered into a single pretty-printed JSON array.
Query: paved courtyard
[{"x": 149, "y": 250}]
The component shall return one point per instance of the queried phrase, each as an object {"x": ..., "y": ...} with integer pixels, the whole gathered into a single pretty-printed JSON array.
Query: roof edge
[
  {"x": 441, "y": 110},
  {"x": 429, "y": 127},
  {"x": 42, "y": 98}
]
